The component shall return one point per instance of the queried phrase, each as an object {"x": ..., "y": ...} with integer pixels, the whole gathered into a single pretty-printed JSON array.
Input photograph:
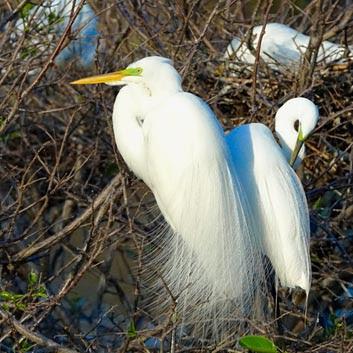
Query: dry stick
[
  {"x": 45, "y": 68},
  {"x": 82, "y": 268},
  {"x": 194, "y": 28},
  {"x": 34, "y": 337},
  {"x": 149, "y": 38},
  {"x": 341, "y": 25},
  {"x": 257, "y": 60},
  {"x": 14, "y": 13},
  {"x": 310, "y": 57},
  {"x": 185, "y": 24},
  {"x": 99, "y": 200},
  {"x": 203, "y": 33}
]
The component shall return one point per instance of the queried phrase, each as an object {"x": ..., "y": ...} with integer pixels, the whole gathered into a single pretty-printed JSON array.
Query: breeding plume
[
  {"x": 210, "y": 194},
  {"x": 282, "y": 47},
  {"x": 274, "y": 192}
]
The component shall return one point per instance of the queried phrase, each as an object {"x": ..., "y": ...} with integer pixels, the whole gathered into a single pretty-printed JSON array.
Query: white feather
[
  {"x": 278, "y": 202},
  {"x": 211, "y": 262},
  {"x": 303, "y": 111},
  {"x": 282, "y": 48}
]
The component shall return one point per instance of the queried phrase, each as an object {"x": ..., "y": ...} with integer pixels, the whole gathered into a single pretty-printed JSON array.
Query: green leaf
[
  {"x": 5, "y": 295},
  {"x": 24, "y": 13},
  {"x": 28, "y": 52},
  {"x": 17, "y": 297},
  {"x": 131, "y": 331},
  {"x": 32, "y": 279},
  {"x": 52, "y": 17},
  {"x": 318, "y": 203},
  {"x": 24, "y": 345},
  {"x": 10, "y": 297},
  {"x": 40, "y": 293},
  {"x": 5, "y": 306},
  {"x": 21, "y": 306},
  {"x": 258, "y": 344}
]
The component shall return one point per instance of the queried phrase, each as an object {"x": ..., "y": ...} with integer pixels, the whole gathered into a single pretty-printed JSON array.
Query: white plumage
[
  {"x": 274, "y": 191},
  {"x": 299, "y": 110},
  {"x": 210, "y": 191},
  {"x": 282, "y": 47}
]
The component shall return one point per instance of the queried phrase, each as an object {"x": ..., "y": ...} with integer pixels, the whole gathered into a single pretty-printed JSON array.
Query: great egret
[
  {"x": 282, "y": 48},
  {"x": 213, "y": 261},
  {"x": 49, "y": 19},
  {"x": 274, "y": 192}
]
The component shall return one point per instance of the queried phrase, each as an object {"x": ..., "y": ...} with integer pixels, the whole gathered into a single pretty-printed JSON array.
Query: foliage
[{"x": 258, "y": 344}]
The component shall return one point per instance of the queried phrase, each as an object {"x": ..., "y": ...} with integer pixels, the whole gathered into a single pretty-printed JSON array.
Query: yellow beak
[
  {"x": 297, "y": 147},
  {"x": 110, "y": 77},
  {"x": 113, "y": 76},
  {"x": 295, "y": 152}
]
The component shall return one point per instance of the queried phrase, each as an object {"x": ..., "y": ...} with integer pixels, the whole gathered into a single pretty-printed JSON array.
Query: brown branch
[
  {"x": 49, "y": 62},
  {"x": 37, "y": 338},
  {"x": 257, "y": 59},
  {"x": 343, "y": 23},
  {"x": 50, "y": 241},
  {"x": 201, "y": 36}
]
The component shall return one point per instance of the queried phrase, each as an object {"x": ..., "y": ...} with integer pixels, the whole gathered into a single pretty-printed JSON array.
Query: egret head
[
  {"x": 155, "y": 73},
  {"x": 305, "y": 114}
]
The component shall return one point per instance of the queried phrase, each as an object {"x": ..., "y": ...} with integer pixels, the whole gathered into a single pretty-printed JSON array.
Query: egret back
[
  {"x": 277, "y": 201},
  {"x": 282, "y": 47},
  {"x": 212, "y": 265}
]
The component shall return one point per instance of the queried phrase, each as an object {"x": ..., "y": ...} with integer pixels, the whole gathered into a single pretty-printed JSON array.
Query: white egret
[
  {"x": 275, "y": 193},
  {"x": 50, "y": 18},
  {"x": 282, "y": 48},
  {"x": 213, "y": 264}
]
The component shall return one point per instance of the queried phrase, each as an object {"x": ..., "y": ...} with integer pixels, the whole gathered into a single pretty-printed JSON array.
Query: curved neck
[
  {"x": 288, "y": 135},
  {"x": 164, "y": 82},
  {"x": 285, "y": 121},
  {"x": 160, "y": 87},
  {"x": 298, "y": 109}
]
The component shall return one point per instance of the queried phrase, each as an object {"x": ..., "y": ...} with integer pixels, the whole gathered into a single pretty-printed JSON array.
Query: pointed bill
[
  {"x": 297, "y": 147},
  {"x": 294, "y": 155},
  {"x": 110, "y": 77}
]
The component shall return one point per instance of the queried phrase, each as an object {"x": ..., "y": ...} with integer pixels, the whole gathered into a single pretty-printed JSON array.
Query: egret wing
[
  {"x": 277, "y": 201},
  {"x": 212, "y": 265}
]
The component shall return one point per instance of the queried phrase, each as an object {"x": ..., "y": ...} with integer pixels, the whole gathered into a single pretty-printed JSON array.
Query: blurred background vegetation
[{"x": 74, "y": 221}]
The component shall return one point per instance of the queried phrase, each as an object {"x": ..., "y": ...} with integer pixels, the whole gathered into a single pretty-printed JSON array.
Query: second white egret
[{"x": 274, "y": 191}]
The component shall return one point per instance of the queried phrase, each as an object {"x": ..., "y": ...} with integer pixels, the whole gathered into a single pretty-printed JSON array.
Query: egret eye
[
  {"x": 140, "y": 120},
  {"x": 297, "y": 125}
]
